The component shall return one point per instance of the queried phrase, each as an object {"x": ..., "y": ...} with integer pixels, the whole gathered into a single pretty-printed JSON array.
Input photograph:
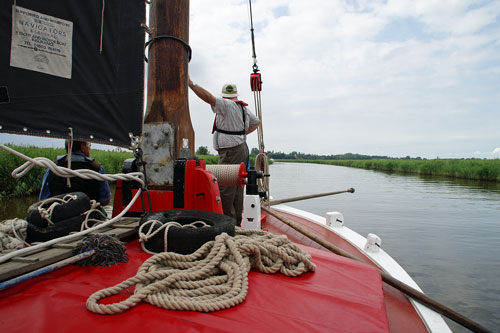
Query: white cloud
[{"x": 333, "y": 85}]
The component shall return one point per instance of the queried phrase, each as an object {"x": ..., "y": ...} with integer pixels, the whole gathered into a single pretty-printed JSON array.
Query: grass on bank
[{"x": 475, "y": 169}]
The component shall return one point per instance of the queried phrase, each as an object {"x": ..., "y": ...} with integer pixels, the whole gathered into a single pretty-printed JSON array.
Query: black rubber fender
[
  {"x": 59, "y": 229},
  {"x": 187, "y": 240},
  {"x": 63, "y": 228},
  {"x": 61, "y": 212}
]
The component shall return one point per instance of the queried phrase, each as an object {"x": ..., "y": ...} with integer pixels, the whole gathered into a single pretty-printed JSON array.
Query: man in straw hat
[{"x": 231, "y": 125}]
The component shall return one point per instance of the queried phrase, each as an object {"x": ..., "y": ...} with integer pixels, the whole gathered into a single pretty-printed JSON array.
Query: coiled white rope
[
  {"x": 213, "y": 278},
  {"x": 145, "y": 236},
  {"x": 226, "y": 174}
]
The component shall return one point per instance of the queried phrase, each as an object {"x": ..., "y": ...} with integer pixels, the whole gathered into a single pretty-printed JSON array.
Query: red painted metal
[
  {"x": 201, "y": 192},
  {"x": 401, "y": 314},
  {"x": 256, "y": 82},
  {"x": 242, "y": 174},
  {"x": 341, "y": 296}
]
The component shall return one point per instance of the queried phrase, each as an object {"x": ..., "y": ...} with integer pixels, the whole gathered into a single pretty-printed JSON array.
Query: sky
[{"x": 395, "y": 78}]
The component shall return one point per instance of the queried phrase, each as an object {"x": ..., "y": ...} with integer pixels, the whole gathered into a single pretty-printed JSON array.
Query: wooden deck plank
[{"x": 123, "y": 229}]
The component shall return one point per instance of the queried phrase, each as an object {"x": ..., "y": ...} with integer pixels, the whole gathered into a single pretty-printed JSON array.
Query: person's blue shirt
[{"x": 104, "y": 189}]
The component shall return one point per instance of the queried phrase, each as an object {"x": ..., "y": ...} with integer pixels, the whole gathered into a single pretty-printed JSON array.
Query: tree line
[{"x": 294, "y": 155}]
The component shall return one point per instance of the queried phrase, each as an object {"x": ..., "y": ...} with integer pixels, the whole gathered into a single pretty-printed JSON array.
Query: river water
[{"x": 445, "y": 233}]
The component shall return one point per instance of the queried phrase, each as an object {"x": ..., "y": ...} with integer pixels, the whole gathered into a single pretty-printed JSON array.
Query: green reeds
[{"x": 475, "y": 169}]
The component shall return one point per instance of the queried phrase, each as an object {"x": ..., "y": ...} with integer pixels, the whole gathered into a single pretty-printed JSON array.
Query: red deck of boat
[
  {"x": 341, "y": 296},
  {"x": 401, "y": 314}
]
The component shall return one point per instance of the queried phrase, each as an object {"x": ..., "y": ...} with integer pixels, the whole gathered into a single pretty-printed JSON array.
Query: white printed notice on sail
[{"x": 41, "y": 42}]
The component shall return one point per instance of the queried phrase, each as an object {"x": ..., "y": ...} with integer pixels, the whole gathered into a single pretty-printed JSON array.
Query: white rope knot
[
  {"x": 151, "y": 232},
  {"x": 94, "y": 208},
  {"x": 46, "y": 213},
  {"x": 213, "y": 278}
]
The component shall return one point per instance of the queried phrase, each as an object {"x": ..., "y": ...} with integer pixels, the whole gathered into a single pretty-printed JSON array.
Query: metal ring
[{"x": 186, "y": 45}]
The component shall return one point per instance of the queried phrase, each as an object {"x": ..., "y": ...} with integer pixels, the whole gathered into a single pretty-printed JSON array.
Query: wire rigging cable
[{"x": 261, "y": 161}]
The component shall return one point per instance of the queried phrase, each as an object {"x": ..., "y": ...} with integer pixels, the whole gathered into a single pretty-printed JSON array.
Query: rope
[
  {"x": 213, "y": 278},
  {"x": 94, "y": 208},
  {"x": 70, "y": 150},
  {"x": 226, "y": 174},
  {"x": 46, "y": 213},
  {"x": 102, "y": 25},
  {"x": 66, "y": 172},
  {"x": 262, "y": 165},
  {"x": 12, "y": 235},
  {"x": 261, "y": 161},
  {"x": 144, "y": 237},
  {"x": 72, "y": 236}
]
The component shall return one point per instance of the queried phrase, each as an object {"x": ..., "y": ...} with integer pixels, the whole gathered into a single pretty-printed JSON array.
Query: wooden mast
[{"x": 168, "y": 132}]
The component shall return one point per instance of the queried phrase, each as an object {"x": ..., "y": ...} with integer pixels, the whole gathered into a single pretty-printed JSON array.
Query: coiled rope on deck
[{"x": 213, "y": 278}]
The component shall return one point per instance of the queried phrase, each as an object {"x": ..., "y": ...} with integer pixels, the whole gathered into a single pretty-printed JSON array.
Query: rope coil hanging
[{"x": 213, "y": 278}]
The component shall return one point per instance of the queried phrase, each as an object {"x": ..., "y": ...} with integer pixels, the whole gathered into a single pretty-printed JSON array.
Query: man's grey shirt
[{"x": 230, "y": 118}]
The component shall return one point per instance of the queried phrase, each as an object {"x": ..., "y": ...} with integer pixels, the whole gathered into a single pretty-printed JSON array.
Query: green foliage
[
  {"x": 202, "y": 150},
  {"x": 484, "y": 170},
  {"x": 210, "y": 159},
  {"x": 112, "y": 161},
  {"x": 301, "y": 156},
  {"x": 254, "y": 152},
  {"x": 214, "y": 159}
]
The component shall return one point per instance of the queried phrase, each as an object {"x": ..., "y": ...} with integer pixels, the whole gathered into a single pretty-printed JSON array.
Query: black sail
[{"x": 72, "y": 64}]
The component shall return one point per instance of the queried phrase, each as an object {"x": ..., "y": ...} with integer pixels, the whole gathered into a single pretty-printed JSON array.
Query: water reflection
[
  {"x": 444, "y": 232},
  {"x": 18, "y": 207}
]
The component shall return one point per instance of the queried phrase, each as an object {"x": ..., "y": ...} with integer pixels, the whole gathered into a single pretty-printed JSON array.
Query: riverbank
[{"x": 474, "y": 169}]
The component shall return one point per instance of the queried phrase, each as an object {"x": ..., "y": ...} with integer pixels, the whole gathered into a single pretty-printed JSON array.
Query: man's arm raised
[{"x": 202, "y": 93}]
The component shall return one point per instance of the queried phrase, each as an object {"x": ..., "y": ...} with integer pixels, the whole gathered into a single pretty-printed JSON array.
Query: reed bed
[{"x": 475, "y": 169}]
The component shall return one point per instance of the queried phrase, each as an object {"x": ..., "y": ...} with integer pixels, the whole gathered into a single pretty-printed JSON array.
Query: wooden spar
[
  {"x": 277, "y": 202},
  {"x": 413, "y": 293},
  {"x": 168, "y": 131}
]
